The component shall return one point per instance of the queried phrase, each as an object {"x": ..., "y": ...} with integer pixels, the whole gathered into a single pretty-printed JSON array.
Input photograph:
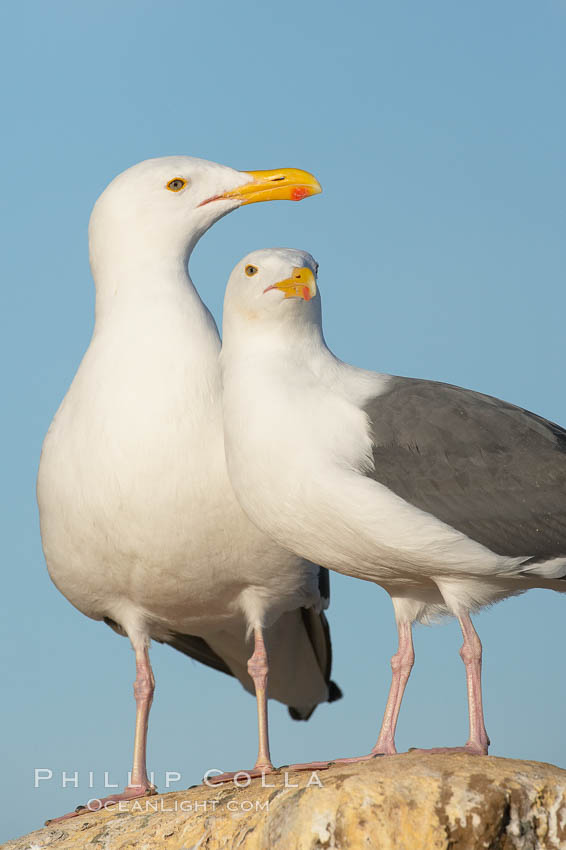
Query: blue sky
[{"x": 438, "y": 132}]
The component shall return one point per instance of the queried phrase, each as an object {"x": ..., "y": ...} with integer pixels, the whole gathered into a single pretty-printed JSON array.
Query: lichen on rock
[{"x": 414, "y": 801}]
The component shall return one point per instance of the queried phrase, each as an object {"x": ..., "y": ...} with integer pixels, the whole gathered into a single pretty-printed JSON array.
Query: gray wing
[
  {"x": 491, "y": 470},
  {"x": 197, "y": 648},
  {"x": 191, "y": 645},
  {"x": 324, "y": 586}
]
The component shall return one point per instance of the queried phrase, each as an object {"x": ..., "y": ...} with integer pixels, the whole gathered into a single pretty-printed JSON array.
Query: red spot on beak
[
  {"x": 299, "y": 192},
  {"x": 306, "y": 293}
]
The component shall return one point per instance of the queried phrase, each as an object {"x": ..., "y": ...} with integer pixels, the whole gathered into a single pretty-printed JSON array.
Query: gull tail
[
  {"x": 300, "y": 660},
  {"x": 318, "y": 632}
]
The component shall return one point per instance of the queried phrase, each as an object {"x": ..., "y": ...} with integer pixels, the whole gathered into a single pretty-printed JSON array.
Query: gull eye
[
  {"x": 251, "y": 270},
  {"x": 177, "y": 184}
]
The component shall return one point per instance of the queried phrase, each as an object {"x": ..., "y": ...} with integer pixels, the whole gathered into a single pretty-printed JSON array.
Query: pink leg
[
  {"x": 144, "y": 688},
  {"x": 140, "y": 785},
  {"x": 258, "y": 669},
  {"x": 471, "y": 654},
  {"x": 401, "y": 665}
]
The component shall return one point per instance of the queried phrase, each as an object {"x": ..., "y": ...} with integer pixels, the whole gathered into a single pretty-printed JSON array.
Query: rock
[{"x": 414, "y": 801}]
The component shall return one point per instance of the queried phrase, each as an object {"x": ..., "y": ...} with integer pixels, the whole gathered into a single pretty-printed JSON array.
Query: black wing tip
[
  {"x": 296, "y": 714},
  {"x": 334, "y": 693}
]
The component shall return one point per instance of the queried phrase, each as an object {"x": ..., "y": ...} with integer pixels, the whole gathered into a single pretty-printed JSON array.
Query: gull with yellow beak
[
  {"x": 139, "y": 524},
  {"x": 447, "y": 498}
]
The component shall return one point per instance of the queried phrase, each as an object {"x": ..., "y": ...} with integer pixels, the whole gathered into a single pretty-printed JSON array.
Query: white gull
[
  {"x": 139, "y": 524},
  {"x": 447, "y": 498}
]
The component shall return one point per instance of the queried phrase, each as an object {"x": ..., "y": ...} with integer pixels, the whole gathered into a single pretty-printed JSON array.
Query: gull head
[
  {"x": 165, "y": 205},
  {"x": 274, "y": 287}
]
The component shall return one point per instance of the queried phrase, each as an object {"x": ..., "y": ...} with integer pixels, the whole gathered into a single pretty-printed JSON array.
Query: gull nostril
[{"x": 277, "y": 177}]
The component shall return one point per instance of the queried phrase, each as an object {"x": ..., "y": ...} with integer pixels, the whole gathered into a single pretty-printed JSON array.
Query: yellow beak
[
  {"x": 301, "y": 284},
  {"x": 285, "y": 184}
]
